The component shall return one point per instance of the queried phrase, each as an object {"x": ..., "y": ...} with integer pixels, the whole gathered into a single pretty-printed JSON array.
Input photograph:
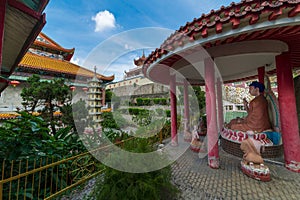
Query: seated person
[{"x": 257, "y": 118}]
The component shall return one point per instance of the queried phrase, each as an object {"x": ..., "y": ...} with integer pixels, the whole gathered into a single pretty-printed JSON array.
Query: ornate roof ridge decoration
[
  {"x": 213, "y": 22},
  {"x": 37, "y": 62},
  {"x": 140, "y": 61},
  {"x": 51, "y": 44}
]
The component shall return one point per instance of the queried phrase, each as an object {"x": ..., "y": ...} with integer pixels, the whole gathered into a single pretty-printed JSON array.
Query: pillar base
[
  {"x": 293, "y": 166},
  {"x": 214, "y": 162},
  {"x": 187, "y": 136},
  {"x": 174, "y": 144}
]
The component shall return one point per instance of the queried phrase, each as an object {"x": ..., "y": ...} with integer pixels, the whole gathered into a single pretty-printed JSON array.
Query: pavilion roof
[
  {"x": 213, "y": 22},
  {"x": 38, "y": 63},
  {"x": 51, "y": 45},
  {"x": 20, "y": 24},
  {"x": 218, "y": 28}
]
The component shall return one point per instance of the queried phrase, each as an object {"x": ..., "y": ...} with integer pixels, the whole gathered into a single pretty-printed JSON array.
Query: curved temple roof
[
  {"x": 37, "y": 62},
  {"x": 239, "y": 38}
]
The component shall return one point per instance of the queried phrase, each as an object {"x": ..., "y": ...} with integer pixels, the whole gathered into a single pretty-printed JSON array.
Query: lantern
[
  {"x": 85, "y": 89},
  {"x": 14, "y": 83},
  {"x": 72, "y": 88}
]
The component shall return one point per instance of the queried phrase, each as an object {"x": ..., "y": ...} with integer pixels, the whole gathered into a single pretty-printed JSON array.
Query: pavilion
[{"x": 242, "y": 41}]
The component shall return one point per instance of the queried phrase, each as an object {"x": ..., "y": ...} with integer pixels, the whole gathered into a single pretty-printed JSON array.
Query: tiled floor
[{"x": 198, "y": 181}]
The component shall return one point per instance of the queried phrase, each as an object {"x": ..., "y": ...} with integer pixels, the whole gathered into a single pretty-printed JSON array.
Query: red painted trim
[
  {"x": 294, "y": 11},
  {"x": 219, "y": 27},
  {"x": 3, "y": 80},
  {"x": 2, "y": 24},
  {"x": 261, "y": 74},
  {"x": 22, "y": 7},
  {"x": 235, "y": 23},
  {"x": 254, "y": 18},
  {"x": 204, "y": 33},
  {"x": 275, "y": 14}
]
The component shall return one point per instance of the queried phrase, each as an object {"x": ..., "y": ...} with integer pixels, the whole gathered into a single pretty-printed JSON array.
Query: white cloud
[
  {"x": 76, "y": 61},
  {"x": 104, "y": 20}
]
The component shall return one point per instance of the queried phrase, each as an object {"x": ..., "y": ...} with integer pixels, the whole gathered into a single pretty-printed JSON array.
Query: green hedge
[{"x": 151, "y": 101}]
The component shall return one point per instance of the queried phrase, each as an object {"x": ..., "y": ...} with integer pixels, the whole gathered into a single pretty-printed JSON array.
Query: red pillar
[
  {"x": 220, "y": 104},
  {"x": 174, "y": 141},
  {"x": 288, "y": 112},
  {"x": 211, "y": 114},
  {"x": 186, "y": 106},
  {"x": 2, "y": 19},
  {"x": 261, "y": 74}
]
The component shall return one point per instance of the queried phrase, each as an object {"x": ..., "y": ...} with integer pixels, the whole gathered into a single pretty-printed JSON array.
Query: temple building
[
  {"x": 49, "y": 60},
  {"x": 137, "y": 71},
  {"x": 135, "y": 84}
]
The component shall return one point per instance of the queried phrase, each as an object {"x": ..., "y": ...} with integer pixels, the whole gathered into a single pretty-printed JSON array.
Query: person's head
[{"x": 255, "y": 88}]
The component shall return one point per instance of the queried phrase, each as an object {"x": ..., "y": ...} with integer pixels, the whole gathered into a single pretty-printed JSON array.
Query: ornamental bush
[{"x": 115, "y": 185}]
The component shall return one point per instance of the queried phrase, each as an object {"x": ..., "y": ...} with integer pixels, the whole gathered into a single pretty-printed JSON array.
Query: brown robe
[{"x": 257, "y": 118}]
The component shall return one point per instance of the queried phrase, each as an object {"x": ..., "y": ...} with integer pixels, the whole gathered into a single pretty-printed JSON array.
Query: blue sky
[{"x": 94, "y": 27}]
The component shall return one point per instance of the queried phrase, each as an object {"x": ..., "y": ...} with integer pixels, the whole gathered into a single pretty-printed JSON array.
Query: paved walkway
[{"x": 198, "y": 181}]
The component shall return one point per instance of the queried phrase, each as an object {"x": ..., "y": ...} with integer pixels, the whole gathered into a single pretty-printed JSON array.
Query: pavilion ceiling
[{"x": 21, "y": 26}]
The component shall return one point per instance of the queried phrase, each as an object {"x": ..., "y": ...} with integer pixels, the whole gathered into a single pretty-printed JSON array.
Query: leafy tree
[
  {"x": 74, "y": 113},
  {"x": 198, "y": 99},
  {"x": 108, "y": 95},
  {"x": 45, "y": 96},
  {"x": 28, "y": 136},
  {"x": 200, "y": 96}
]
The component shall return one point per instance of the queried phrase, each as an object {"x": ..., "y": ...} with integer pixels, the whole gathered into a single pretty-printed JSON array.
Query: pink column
[
  {"x": 261, "y": 74},
  {"x": 2, "y": 19},
  {"x": 174, "y": 137},
  {"x": 220, "y": 104},
  {"x": 187, "y": 135},
  {"x": 288, "y": 112},
  {"x": 186, "y": 106},
  {"x": 211, "y": 114}
]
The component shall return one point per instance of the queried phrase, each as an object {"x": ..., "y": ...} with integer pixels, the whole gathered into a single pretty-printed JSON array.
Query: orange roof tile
[
  {"x": 8, "y": 115},
  {"x": 34, "y": 61},
  {"x": 12, "y": 115}
]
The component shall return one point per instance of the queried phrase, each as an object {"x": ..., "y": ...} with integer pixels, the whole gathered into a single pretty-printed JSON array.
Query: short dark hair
[{"x": 258, "y": 85}]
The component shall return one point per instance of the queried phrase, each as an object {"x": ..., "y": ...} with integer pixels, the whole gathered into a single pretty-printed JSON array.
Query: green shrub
[
  {"x": 27, "y": 143},
  {"x": 115, "y": 185},
  {"x": 168, "y": 113}
]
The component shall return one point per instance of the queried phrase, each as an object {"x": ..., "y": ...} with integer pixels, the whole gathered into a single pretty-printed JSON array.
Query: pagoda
[{"x": 95, "y": 97}]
